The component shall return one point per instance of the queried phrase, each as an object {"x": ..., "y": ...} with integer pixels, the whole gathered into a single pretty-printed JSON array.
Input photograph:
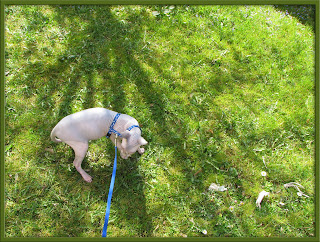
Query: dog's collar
[{"x": 112, "y": 130}]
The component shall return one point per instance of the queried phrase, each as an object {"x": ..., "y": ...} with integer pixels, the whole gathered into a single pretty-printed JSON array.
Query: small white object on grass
[
  {"x": 293, "y": 184},
  {"x": 264, "y": 161},
  {"x": 155, "y": 13},
  {"x": 215, "y": 187},
  {"x": 296, "y": 186},
  {"x": 260, "y": 197}
]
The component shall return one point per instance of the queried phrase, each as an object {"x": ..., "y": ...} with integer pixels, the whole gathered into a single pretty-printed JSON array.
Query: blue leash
[
  {"x": 112, "y": 130},
  {"x": 106, "y": 219}
]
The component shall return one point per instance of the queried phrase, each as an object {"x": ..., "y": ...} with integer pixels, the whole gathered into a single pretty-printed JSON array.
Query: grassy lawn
[{"x": 224, "y": 94}]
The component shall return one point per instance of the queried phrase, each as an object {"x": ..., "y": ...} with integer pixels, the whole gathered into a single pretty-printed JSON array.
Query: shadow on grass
[
  {"x": 304, "y": 13},
  {"x": 88, "y": 51},
  {"x": 102, "y": 39}
]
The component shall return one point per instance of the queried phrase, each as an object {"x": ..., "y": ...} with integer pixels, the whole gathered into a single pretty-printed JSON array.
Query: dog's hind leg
[{"x": 80, "y": 150}]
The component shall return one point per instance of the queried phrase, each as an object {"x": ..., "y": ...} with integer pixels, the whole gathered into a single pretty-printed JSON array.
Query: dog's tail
[{"x": 53, "y": 136}]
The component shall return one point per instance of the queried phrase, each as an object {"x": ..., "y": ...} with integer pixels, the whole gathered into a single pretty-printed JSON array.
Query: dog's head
[{"x": 131, "y": 142}]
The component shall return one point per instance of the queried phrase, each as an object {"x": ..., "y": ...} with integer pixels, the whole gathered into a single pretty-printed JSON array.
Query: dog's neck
[{"x": 122, "y": 123}]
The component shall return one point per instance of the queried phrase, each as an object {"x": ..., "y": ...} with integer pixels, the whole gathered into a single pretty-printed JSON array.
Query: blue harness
[{"x": 111, "y": 130}]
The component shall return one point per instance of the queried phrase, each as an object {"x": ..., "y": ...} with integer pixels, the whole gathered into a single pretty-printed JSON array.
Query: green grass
[{"x": 222, "y": 93}]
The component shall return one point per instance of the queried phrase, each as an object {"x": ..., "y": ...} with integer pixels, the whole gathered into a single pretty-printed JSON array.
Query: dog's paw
[
  {"x": 124, "y": 156},
  {"x": 87, "y": 178},
  {"x": 141, "y": 150}
]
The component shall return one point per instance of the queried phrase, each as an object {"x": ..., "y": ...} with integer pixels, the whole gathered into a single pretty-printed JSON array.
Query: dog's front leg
[{"x": 141, "y": 150}]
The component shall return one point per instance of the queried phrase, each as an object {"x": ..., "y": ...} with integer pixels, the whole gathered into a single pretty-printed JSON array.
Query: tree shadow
[
  {"x": 102, "y": 40},
  {"x": 109, "y": 52},
  {"x": 304, "y": 13},
  {"x": 98, "y": 48}
]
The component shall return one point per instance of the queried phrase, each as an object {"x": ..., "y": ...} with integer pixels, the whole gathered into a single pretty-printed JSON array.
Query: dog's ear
[
  {"x": 142, "y": 141},
  {"x": 125, "y": 134}
]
